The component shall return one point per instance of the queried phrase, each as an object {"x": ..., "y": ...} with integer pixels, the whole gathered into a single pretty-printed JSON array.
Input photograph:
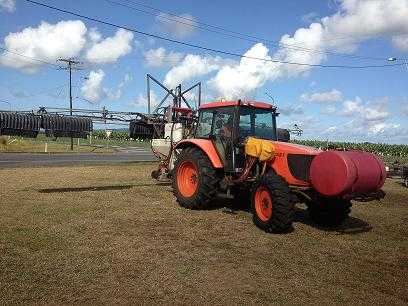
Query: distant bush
[
  {"x": 3, "y": 140},
  {"x": 116, "y": 135}
]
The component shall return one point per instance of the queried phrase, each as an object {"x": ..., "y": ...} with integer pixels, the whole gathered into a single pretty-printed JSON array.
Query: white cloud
[
  {"x": 47, "y": 42},
  {"x": 368, "y": 121},
  {"x": 291, "y": 110},
  {"x": 190, "y": 67},
  {"x": 400, "y": 42},
  {"x": 141, "y": 101},
  {"x": 116, "y": 94},
  {"x": 8, "y": 5},
  {"x": 375, "y": 114},
  {"x": 354, "y": 22},
  {"x": 323, "y": 97},
  {"x": 307, "y": 122},
  {"x": 180, "y": 26},
  {"x": 111, "y": 48},
  {"x": 94, "y": 35},
  {"x": 362, "y": 19},
  {"x": 352, "y": 107},
  {"x": 161, "y": 58},
  {"x": 328, "y": 110},
  {"x": 356, "y": 130},
  {"x": 240, "y": 80},
  {"x": 331, "y": 129},
  {"x": 379, "y": 128},
  {"x": 92, "y": 89},
  {"x": 370, "y": 111}
]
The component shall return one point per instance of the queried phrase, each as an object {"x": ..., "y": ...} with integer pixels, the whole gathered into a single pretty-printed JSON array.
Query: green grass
[
  {"x": 63, "y": 144},
  {"x": 35, "y": 146}
]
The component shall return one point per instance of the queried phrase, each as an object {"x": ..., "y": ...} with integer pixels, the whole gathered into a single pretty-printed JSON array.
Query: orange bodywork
[
  {"x": 280, "y": 162},
  {"x": 207, "y": 146}
]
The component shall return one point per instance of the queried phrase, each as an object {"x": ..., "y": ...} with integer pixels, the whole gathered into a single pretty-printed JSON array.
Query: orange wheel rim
[
  {"x": 263, "y": 203},
  {"x": 187, "y": 179}
]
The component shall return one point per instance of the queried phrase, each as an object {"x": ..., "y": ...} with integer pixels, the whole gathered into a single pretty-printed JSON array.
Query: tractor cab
[{"x": 229, "y": 123}]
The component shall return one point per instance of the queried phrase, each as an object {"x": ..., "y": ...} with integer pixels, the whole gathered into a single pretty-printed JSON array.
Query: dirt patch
[{"x": 109, "y": 234}]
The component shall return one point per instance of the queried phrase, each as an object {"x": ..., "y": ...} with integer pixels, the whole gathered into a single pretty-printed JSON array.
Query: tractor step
[{"x": 225, "y": 195}]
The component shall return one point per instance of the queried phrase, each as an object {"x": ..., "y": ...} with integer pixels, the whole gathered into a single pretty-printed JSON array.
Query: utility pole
[{"x": 71, "y": 65}]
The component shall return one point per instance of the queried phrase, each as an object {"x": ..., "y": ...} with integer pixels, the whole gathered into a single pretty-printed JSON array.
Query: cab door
[{"x": 223, "y": 135}]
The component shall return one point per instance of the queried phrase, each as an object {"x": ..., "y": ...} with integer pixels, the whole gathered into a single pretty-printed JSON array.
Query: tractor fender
[{"x": 205, "y": 145}]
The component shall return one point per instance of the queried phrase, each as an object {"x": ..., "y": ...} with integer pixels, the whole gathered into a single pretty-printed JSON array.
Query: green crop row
[
  {"x": 382, "y": 149},
  {"x": 116, "y": 135}
]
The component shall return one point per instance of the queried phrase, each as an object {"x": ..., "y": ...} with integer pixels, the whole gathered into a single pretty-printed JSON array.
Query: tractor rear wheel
[
  {"x": 195, "y": 180},
  {"x": 272, "y": 207},
  {"x": 330, "y": 212}
]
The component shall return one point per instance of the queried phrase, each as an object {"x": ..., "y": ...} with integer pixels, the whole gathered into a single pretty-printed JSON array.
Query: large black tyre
[
  {"x": 272, "y": 205},
  {"x": 206, "y": 178},
  {"x": 328, "y": 212}
]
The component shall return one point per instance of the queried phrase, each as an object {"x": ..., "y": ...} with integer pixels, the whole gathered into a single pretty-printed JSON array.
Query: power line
[
  {"x": 255, "y": 39},
  {"x": 30, "y": 58},
  {"x": 203, "y": 47},
  {"x": 42, "y": 92},
  {"x": 252, "y": 36}
]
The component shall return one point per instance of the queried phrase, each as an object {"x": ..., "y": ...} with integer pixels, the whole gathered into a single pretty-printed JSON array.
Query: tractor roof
[{"x": 255, "y": 104}]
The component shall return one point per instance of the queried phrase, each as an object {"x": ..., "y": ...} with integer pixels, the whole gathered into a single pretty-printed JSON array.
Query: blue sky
[{"x": 328, "y": 103}]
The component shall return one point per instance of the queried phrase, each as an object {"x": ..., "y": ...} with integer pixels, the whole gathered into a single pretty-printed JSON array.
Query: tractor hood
[
  {"x": 331, "y": 173},
  {"x": 292, "y": 148}
]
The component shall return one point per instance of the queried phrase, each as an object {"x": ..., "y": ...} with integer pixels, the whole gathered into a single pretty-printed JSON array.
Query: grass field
[
  {"x": 63, "y": 144},
  {"x": 109, "y": 234},
  {"x": 26, "y": 146}
]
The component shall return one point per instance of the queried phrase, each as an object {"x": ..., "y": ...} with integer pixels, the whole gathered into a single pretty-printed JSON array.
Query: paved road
[{"x": 29, "y": 159}]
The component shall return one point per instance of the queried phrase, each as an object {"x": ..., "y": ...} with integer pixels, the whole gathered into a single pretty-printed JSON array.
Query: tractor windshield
[{"x": 257, "y": 122}]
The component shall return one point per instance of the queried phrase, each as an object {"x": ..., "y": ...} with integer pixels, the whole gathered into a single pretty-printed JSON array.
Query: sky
[{"x": 324, "y": 62}]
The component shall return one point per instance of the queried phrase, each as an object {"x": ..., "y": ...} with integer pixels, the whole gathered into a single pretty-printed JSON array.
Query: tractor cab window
[
  {"x": 204, "y": 125},
  {"x": 215, "y": 122},
  {"x": 256, "y": 122},
  {"x": 218, "y": 124},
  {"x": 223, "y": 123}
]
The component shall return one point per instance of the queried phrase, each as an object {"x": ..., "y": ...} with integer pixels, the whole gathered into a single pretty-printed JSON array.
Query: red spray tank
[{"x": 339, "y": 173}]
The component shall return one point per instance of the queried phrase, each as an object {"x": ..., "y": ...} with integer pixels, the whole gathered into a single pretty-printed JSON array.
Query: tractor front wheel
[
  {"x": 328, "y": 212},
  {"x": 272, "y": 207},
  {"x": 195, "y": 180}
]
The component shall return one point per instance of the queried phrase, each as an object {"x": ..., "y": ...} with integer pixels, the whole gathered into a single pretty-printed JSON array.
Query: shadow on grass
[
  {"x": 92, "y": 188},
  {"x": 350, "y": 226}
]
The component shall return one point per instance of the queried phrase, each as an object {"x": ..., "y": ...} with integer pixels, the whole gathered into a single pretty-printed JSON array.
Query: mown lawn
[{"x": 109, "y": 234}]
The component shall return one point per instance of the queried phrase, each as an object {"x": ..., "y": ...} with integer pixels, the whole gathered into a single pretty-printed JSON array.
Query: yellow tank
[{"x": 264, "y": 150}]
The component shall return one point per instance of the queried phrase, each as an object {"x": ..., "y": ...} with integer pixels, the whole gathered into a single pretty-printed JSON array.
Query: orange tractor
[{"x": 233, "y": 151}]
